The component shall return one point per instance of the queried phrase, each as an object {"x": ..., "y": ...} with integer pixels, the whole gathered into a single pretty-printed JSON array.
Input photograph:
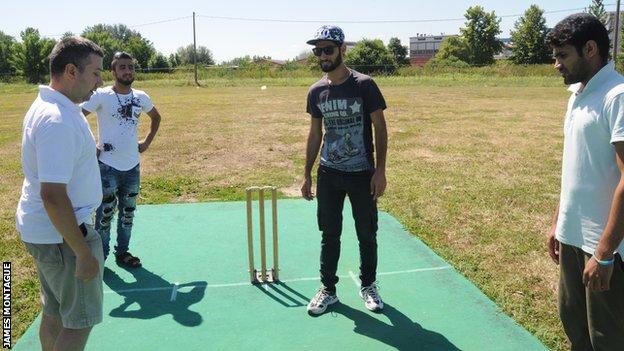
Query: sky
[{"x": 278, "y": 28}]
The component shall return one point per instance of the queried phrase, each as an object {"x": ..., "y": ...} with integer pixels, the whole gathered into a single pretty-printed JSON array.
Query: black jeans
[{"x": 331, "y": 190}]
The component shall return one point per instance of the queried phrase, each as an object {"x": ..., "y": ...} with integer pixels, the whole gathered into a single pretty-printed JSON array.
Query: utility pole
[
  {"x": 617, "y": 32},
  {"x": 195, "y": 50}
]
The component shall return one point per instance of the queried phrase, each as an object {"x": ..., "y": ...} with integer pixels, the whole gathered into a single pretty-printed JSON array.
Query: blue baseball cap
[{"x": 327, "y": 32}]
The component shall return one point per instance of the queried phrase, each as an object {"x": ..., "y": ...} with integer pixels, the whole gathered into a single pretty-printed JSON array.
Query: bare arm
[
  {"x": 378, "y": 183},
  {"x": 59, "y": 208},
  {"x": 614, "y": 231},
  {"x": 154, "y": 124},
  {"x": 597, "y": 277},
  {"x": 551, "y": 242},
  {"x": 315, "y": 137}
]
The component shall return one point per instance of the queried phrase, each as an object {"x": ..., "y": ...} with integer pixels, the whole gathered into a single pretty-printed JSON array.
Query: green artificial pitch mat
[{"x": 193, "y": 291}]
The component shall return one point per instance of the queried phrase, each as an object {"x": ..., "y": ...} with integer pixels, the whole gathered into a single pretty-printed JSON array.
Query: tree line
[
  {"x": 476, "y": 45},
  {"x": 29, "y": 57}
]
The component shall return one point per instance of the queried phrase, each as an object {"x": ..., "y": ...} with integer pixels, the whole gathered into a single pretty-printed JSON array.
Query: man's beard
[
  {"x": 580, "y": 74},
  {"x": 127, "y": 82},
  {"x": 332, "y": 66}
]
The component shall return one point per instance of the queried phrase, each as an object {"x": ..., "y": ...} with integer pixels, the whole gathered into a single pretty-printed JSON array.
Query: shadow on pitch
[
  {"x": 402, "y": 333},
  {"x": 157, "y": 302},
  {"x": 284, "y": 294}
]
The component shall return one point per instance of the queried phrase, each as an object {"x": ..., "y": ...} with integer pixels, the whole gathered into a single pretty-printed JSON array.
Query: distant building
[
  {"x": 270, "y": 62},
  {"x": 507, "y": 49},
  {"x": 424, "y": 47}
]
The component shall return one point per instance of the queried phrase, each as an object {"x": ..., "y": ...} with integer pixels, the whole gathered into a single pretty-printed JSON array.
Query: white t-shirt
[
  {"x": 118, "y": 119},
  {"x": 57, "y": 147},
  {"x": 594, "y": 122}
]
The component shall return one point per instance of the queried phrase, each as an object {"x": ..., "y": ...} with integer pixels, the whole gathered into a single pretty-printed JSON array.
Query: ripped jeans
[{"x": 120, "y": 191}]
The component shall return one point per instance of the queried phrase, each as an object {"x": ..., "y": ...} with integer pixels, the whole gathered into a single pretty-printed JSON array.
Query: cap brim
[{"x": 314, "y": 41}]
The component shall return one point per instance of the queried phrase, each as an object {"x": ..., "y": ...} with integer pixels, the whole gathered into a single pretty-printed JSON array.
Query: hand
[
  {"x": 143, "y": 145},
  {"x": 378, "y": 184},
  {"x": 597, "y": 277},
  {"x": 306, "y": 188},
  {"x": 87, "y": 267},
  {"x": 553, "y": 246}
]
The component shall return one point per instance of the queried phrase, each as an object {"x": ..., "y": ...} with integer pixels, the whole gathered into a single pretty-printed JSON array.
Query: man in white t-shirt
[
  {"x": 60, "y": 193},
  {"x": 586, "y": 235},
  {"x": 118, "y": 108}
]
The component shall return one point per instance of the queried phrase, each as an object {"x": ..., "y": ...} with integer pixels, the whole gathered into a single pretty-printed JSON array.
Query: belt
[{"x": 83, "y": 229}]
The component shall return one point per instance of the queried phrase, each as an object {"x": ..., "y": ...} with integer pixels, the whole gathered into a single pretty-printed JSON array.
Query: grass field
[{"x": 473, "y": 170}]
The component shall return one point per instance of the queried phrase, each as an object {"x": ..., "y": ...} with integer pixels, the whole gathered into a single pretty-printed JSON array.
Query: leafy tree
[
  {"x": 30, "y": 57},
  {"x": 113, "y": 38},
  {"x": 597, "y": 9},
  {"x": 446, "y": 62},
  {"x": 259, "y": 58},
  {"x": 453, "y": 48},
  {"x": 159, "y": 63},
  {"x": 204, "y": 55},
  {"x": 398, "y": 51},
  {"x": 238, "y": 61},
  {"x": 529, "y": 36},
  {"x": 480, "y": 35},
  {"x": 370, "y": 56},
  {"x": 141, "y": 49},
  {"x": 174, "y": 60},
  {"x": 6, "y": 51},
  {"x": 108, "y": 44}
]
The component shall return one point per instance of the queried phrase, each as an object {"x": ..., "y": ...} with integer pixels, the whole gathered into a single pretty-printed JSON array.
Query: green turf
[{"x": 193, "y": 292}]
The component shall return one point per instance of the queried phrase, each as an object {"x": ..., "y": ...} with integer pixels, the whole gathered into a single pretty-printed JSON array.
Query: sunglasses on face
[{"x": 327, "y": 50}]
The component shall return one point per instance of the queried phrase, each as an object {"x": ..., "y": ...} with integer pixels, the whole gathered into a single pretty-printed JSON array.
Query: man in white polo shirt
[
  {"x": 118, "y": 109},
  {"x": 585, "y": 238},
  {"x": 60, "y": 193}
]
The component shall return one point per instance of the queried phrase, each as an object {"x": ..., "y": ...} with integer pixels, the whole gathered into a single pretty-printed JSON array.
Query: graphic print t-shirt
[
  {"x": 345, "y": 110},
  {"x": 118, "y": 119}
]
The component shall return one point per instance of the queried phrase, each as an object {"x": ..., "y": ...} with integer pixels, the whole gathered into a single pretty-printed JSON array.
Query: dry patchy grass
[{"x": 473, "y": 171}]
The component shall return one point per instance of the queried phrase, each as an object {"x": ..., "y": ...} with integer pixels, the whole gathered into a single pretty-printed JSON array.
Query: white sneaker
[
  {"x": 321, "y": 300},
  {"x": 371, "y": 298}
]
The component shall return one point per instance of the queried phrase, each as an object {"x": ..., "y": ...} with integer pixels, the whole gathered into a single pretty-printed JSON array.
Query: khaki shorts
[{"x": 77, "y": 303}]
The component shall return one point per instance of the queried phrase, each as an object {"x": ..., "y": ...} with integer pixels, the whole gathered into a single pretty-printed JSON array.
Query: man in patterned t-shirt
[
  {"x": 118, "y": 108},
  {"x": 348, "y": 105}
]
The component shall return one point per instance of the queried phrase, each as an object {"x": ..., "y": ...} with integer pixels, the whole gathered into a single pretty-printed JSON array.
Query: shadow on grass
[{"x": 158, "y": 301}]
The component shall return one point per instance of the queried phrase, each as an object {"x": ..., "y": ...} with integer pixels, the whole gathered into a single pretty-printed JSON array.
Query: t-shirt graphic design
[
  {"x": 343, "y": 143},
  {"x": 118, "y": 119},
  {"x": 128, "y": 112}
]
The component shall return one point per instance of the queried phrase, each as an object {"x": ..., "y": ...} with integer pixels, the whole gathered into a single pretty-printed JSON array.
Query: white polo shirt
[
  {"x": 57, "y": 147},
  {"x": 594, "y": 122},
  {"x": 118, "y": 120}
]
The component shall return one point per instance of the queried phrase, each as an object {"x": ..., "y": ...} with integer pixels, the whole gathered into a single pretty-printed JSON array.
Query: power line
[
  {"x": 142, "y": 24},
  {"x": 252, "y": 19},
  {"x": 278, "y": 20},
  {"x": 161, "y": 21}
]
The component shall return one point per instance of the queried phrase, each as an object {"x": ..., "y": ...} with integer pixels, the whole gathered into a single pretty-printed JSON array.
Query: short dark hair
[
  {"x": 577, "y": 30},
  {"x": 120, "y": 55},
  {"x": 74, "y": 50}
]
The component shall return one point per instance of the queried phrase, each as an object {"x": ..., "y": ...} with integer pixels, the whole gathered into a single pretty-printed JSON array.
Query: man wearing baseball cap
[{"x": 348, "y": 104}]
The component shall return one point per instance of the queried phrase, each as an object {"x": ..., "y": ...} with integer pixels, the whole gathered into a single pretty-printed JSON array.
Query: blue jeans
[{"x": 120, "y": 190}]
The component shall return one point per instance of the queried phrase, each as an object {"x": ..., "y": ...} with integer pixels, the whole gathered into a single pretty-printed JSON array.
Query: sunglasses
[{"x": 327, "y": 50}]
